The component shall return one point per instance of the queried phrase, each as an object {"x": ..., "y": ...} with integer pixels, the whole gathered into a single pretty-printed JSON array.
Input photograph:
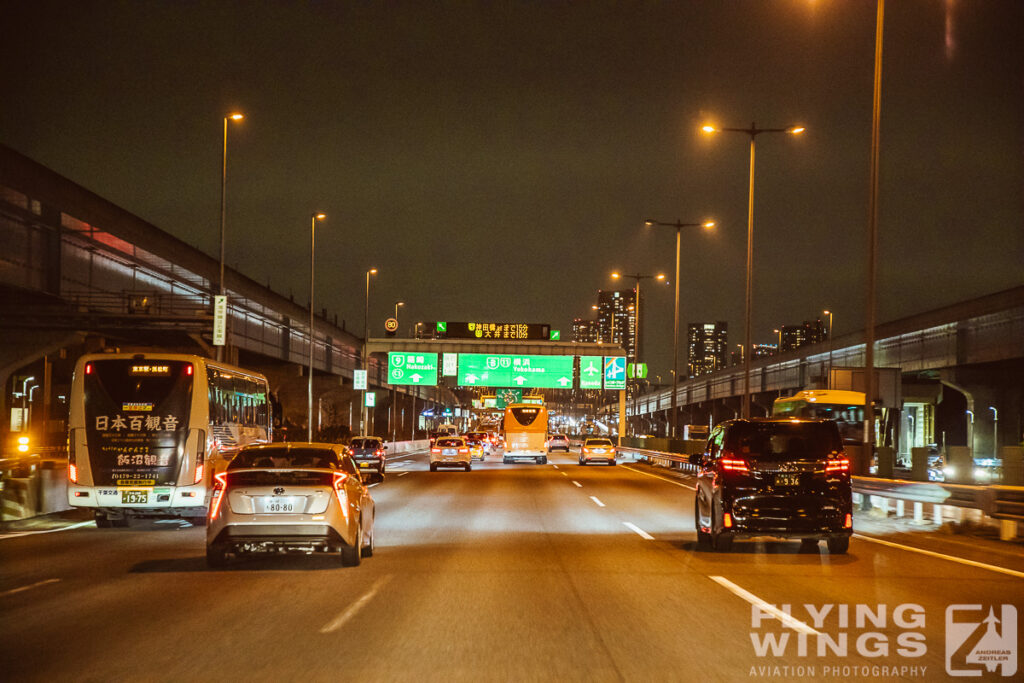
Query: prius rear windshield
[{"x": 285, "y": 457}]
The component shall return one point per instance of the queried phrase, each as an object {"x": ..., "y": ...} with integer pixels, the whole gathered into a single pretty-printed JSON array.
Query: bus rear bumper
[{"x": 178, "y": 501}]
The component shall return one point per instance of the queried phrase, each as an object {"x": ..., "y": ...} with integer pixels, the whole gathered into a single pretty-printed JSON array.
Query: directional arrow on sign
[
  {"x": 519, "y": 379},
  {"x": 471, "y": 378},
  {"x": 416, "y": 377},
  {"x": 563, "y": 380}
]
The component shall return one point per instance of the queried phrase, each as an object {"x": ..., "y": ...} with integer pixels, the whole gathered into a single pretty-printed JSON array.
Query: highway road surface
[{"x": 510, "y": 572}]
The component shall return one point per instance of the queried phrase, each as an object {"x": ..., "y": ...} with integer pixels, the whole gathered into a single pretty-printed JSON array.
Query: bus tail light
[
  {"x": 188, "y": 369},
  {"x": 200, "y": 471},
  {"x": 72, "y": 473},
  {"x": 339, "y": 490},
  {"x": 848, "y": 521},
  {"x": 88, "y": 368},
  {"x": 727, "y": 520},
  {"x": 219, "y": 487}
]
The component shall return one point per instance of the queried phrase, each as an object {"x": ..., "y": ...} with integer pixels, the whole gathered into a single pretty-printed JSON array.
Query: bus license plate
[
  {"x": 787, "y": 479},
  {"x": 132, "y": 496}
]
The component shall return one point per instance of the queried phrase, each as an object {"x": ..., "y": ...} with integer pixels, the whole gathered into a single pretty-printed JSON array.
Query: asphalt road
[{"x": 508, "y": 572}]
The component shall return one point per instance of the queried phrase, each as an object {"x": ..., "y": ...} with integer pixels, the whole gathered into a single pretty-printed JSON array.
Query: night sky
[{"x": 496, "y": 160}]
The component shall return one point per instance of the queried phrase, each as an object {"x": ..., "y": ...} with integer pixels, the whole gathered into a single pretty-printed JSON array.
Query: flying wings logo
[{"x": 977, "y": 641}]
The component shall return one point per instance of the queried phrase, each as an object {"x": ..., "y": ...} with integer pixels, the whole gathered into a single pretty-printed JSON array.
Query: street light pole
[
  {"x": 309, "y": 380},
  {"x": 995, "y": 431},
  {"x": 366, "y": 340},
  {"x": 828, "y": 381},
  {"x": 223, "y": 213},
  {"x": 778, "y": 349},
  {"x": 678, "y": 225},
  {"x": 636, "y": 337},
  {"x": 753, "y": 132}
]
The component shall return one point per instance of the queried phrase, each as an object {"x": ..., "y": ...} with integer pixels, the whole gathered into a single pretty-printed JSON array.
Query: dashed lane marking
[
  {"x": 28, "y": 587},
  {"x": 594, "y": 498},
  {"x": 765, "y": 607},
  {"x": 634, "y": 527},
  {"x": 354, "y": 608},
  {"x": 579, "y": 485}
]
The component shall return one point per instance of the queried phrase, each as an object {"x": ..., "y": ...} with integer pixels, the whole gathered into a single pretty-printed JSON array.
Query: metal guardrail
[{"x": 999, "y": 502}]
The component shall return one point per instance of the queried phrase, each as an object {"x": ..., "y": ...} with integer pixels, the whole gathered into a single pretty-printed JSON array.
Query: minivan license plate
[{"x": 787, "y": 479}]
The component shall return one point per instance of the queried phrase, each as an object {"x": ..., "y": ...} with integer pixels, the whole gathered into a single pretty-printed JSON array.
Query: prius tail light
[
  {"x": 220, "y": 483},
  {"x": 340, "y": 478}
]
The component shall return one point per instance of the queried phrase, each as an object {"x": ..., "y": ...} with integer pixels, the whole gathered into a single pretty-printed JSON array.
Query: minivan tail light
[
  {"x": 734, "y": 465},
  {"x": 841, "y": 465},
  {"x": 848, "y": 521}
]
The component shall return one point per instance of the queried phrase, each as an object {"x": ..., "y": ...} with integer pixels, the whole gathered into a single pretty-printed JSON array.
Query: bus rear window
[{"x": 525, "y": 416}]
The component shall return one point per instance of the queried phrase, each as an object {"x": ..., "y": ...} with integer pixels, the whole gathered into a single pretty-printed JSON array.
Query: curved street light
[
  {"x": 678, "y": 225},
  {"x": 753, "y": 132}
]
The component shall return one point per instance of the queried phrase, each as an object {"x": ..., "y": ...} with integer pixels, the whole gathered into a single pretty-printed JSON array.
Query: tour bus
[
  {"x": 146, "y": 431},
  {"x": 526, "y": 433},
  {"x": 845, "y": 407}
]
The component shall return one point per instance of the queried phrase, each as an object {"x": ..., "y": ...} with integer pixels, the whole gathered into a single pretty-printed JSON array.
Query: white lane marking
[
  {"x": 554, "y": 465},
  {"x": 402, "y": 474},
  {"x": 634, "y": 527},
  {"x": 28, "y": 587},
  {"x": 19, "y": 534},
  {"x": 563, "y": 474},
  {"x": 594, "y": 498},
  {"x": 765, "y": 607},
  {"x": 655, "y": 476},
  {"x": 951, "y": 558},
  {"x": 354, "y": 608},
  {"x": 579, "y": 485}
]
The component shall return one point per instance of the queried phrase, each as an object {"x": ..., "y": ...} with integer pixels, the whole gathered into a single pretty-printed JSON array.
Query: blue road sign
[{"x": 614, "y": 372}]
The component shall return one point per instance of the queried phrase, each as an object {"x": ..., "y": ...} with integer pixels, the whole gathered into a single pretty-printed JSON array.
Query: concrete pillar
[
  {"x": 919, "y": 463},
  {"x": 886, "y": 456},
  {"x": 899, "y": 507},
  {"x": 918, "y": 512},
  {"x": 961, "y": 460},
  {"x": 1013, "y": 465}
]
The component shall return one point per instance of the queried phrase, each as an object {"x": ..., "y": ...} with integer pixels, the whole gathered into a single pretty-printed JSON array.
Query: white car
[{"x": 450, "y": 451}]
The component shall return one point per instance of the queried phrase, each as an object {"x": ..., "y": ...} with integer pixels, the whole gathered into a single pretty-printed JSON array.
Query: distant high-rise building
[
  {"x": 808, "y": 332},
  {"x": 616, "y": 320},
  {"x": 708, "y": 344},
  {"x": 585, "y": 331}
]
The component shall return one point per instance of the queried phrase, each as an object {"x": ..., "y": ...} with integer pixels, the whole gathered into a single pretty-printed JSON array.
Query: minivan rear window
[
  {"x": 781, "y": 441},
  {"x": 365, "y": 443},
  {"x": 449, "y": 443}
]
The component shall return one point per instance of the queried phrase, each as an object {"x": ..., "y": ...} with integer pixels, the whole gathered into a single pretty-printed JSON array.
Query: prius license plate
[
  {"x": 134, "y": 496},
  {"x": 282, "y": 504},
  {"x": 787, "y": 479}
]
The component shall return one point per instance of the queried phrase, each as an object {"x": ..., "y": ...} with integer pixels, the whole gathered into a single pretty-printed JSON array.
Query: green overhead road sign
[
  {"x": 556, "y": 335},
  {"x": 442, "y": 327},
  {"x": 504, "y": 397},
  {"x": 637, "y": 370},
  {"x": 412, "y": 368},
  {"x": 614, "y": 372},
  {"x": 591, "y": 372},
  {"x": 529, "y": 372}
]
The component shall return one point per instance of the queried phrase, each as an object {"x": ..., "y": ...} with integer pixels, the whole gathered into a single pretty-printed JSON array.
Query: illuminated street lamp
[
  {"x": 223, "y": 211},
  {"x": 779, "y": 347},
  {"x": 636, "y": 339},
  {"x": 678, "y": 225},
  {"x": 753, "y": 132},
  {"x": 312, "y": 261},
  {"x": 366, "y": 341},
  {"x": 397, "y": 304}
]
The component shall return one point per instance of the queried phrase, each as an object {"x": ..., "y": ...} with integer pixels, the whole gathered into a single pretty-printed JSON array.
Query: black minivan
[{"x": 788, "y": 478}]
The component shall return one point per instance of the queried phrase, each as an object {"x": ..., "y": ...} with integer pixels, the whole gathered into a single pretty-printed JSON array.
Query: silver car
[{"x": 291, "y": 497}]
